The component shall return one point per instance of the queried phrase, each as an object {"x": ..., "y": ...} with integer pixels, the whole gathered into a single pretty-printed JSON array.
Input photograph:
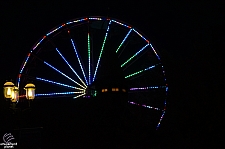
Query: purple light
[
  {"x": 150, "y": 107},
  {"x": 95, "y": 18}
]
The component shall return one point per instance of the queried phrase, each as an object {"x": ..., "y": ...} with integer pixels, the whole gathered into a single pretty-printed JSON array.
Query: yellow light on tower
[
  {"x": 30, "y": 91},
  {"x": 8, "y": 90}
]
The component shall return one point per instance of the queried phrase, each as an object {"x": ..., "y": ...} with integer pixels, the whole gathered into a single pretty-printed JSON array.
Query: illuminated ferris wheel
[{"x": 71, "y": 57}]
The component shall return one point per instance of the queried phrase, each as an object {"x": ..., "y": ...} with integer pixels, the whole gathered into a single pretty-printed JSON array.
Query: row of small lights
[
  {"x": 86, "y": 19},
  {"x": 12, "y": 92}
]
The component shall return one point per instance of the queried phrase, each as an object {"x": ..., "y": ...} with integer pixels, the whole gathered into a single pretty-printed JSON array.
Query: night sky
[{"x": 188, "y": 35}]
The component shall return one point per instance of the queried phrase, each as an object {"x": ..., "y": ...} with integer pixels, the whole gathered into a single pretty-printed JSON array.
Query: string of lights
[
  {"x": 143, "y": 105},
  {"x": 54, "y": 94},
  {"x": 100, "y": 55},
  {"x": 63, "y": 74},
  {"x": 71, "y": 67},
  {"x": 79, "y": 60},
  {"x": 49, "y": 81},
  {"x": 89, "y": 60}
]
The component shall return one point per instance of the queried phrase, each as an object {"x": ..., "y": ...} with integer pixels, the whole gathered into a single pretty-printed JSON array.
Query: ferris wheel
[{"x": 72, "y": 57}]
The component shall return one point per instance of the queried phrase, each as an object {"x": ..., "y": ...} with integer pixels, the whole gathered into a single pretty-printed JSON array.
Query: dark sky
[{"x": 187, "y": 34}]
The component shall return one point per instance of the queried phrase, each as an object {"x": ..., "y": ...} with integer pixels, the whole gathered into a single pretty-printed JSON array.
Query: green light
[{"x": 134, "y": 74}]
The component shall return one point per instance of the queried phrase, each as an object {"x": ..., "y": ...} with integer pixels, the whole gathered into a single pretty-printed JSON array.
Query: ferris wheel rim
[
  {"x": 58, "y": 27},
  {"x": 37, "y": 43}
]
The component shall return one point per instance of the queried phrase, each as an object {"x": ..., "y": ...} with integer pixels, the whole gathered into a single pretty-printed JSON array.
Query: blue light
[
  {"x": 149, "y": 68},
  {"x": 39, "y": 43},
  {"x": 49, "y": 81},
  {"x": 79, "y": 61},
  {"x": 166, "y": 89},
  {"x": 55, "y": 30},
  {"x": 54, "y": 94},
  {"x": 89, "y": 60},
  {"x": 71, "y": 67},
  {"x": 63, "y": 74},
  {"x": 124, "y": 40},
  {"x": 24, "y": 64},
  {"x": 75, "y": 21}
]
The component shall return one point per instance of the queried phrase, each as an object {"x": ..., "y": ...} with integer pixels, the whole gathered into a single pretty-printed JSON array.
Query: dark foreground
[{"x": 70, "y": 123}]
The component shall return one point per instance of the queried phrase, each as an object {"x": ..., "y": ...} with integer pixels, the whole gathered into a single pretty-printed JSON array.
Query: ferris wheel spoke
[
  {"x": 134, "y": 55},
  {"x": 144, "y": 105},
  {"x": 63, "y": 74},
  {"x": 55, "y": 70},
  {"x": 78, "y": 58},
  {"x": 138, "y": 72},
  {"x": 79, "y": 95},
  {"x": 56, "y": 94},
  {"x": 57, "y": 83},
  {"x": 71, "y": 67},
  {"x": 100, "y": 55},
  {"x": 89, "y": 60},
  {"x": 146, "y": 88},
  {"x": 124, "y": 40}
]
